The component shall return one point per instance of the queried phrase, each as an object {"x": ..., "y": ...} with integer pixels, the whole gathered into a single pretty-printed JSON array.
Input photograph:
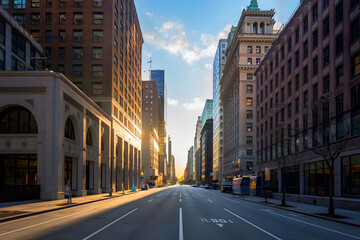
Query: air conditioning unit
[{"x": 325, "y": 97}]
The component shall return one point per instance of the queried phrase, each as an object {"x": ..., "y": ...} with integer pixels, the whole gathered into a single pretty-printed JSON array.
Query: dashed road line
[
  {"x": 150, "y": 200},
  {"x": 210, "y": 201}
]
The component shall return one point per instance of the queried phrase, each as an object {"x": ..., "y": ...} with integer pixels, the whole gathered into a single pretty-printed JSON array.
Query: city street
[{"x": 179, "y": 212}]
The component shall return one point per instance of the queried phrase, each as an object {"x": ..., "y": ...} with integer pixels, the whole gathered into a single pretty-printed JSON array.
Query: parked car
[
  {"x": 195, "y": 185},
  {"x": 207, "y": 186},
  {"x": 202, "y": 186}
]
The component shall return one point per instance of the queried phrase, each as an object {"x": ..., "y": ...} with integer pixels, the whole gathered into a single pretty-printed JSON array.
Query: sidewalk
[
  {"x": 348, "y": 217},
  {"x": 15, "y": 210}
]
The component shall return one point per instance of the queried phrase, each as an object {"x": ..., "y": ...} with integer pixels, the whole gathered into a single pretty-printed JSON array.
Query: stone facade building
[{"x": 247, "y": 44}]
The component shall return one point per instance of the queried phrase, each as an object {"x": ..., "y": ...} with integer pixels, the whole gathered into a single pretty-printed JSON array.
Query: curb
[
  {"x": 299, "y": 212},
  {"x": 7, "y": 219}
]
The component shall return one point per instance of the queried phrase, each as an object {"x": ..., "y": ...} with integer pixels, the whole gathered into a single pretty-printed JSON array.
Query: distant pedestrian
[{"x": 68, "y": 192}]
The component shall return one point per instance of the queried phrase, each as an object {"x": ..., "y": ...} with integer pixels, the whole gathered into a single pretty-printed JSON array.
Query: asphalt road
[{"x": 180, "y": 212}]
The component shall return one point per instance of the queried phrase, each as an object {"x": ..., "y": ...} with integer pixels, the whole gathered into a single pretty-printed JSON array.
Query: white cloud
[
  {"x": 208, "y": 66},
  {"x": 171, "y": 37},
  {"x": 149, "y": 14},
  {"x": 172, "y": 102},
  {"x": 194, "y": 104}
]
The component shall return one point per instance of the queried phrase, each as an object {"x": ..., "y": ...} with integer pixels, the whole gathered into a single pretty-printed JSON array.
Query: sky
[{"x": 181, "y": 37}]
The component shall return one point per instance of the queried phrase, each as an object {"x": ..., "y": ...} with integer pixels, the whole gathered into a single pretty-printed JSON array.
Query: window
[
  {"x": 17, "y": 120},
  {"x": 115, "y": 44},
  {"x": 315, "y": 13},
  {"x": 258, "y": 49},
  {"x": 249, "y": 114},
  {"x": 48, "y": 18},
  {"x": 116, "y": 94},
  {"x": 249, "y": 49},
  {"x": 355, "y": 110},
  {"x": 17, "y": 65},
  {"x": 97, "y": 70},
  {"x": 315, "y": 39},
  {"x": 2, "y": 59},
  {"x": 355, "y": 33},
  {"x": 315, "y": 66},
  {"x": 297, "y": 105},
  {"x": 35, "y": 3},
  {"x": 62, "y": 3},
  {"x": 77, "y": 53},
  {"x": 77, "y": 70},
  {"x": 249, "y": 76},
  {"x": 339, "y": 116},
  {"x": 315, "y": 93},
  {"x": 297, "y": 59},
  {"x": 305, "y": 50},
  {"x": 98, "y": 3},
  {"x": 97, "y": 53},
  {"x": 306, "y": 74},
  {"x": 351, "y": 176},
  {"x": 282, "y": 74},
  {"x": 2, "y": 32},
  {"x": 249, "y": 140},
  {"x": 355, "y": 64},
  {"x": 339, "y": 13},
  {"x": 297, "y": 35},
  {"x": 97, "y": 35},
  {"x": 289, "y": 66},
  {"x": 339, "y": 44},
  {"x": 48, "y": 3},
  {"x": 61, "y": 68},
  {"x": 326, "y": 84},
  {"x": 326, "y": 56},
  {"x": 249, "y": 101},
  {"x": 69, "y": 129},
  {"x": 78, "y": 3},
  {"x": 325, "y": 3},
  {"x": 289, "y": 44},
  {"x": 116, "y": 62},
  {"x": 289, "y": 110},
  {"x": 306, "y": 99},
  {"x": 282, "y": 94},
  {"x": 282, "y": 53},
  {"x": 97, "y": 88},
  {"x": 78, "y": 18},
  {"x": 249, "y": 152},
  {"x": 5, "y": 4},
  {"x": 19, "y": 4},
  {"x": 62, "y": 18},
  {"x": 289, "y": 89},
  {"x": 61, "y": 35},
  {"x": 18, "y": 45},
  {"x": 249, "y": 88},
  {"x": 249, "y": 127},
  {"x": 258, "y": 60},
  {"x": 98, "y": 18},
  {"x": 61, "y": 53},
  {"x": 35, "y": 18},
  {"x": 326, "y": 27},
  {"x": 77, "y": 35},
  {"x": 249, "y": 61},
  {"x": 48, "y": 36},
  {"x": 305, "y": 25},
  {"x": 297, "y": 82},
  {"x": 116, "y": 78},
  {"x": 20, "y": 18},
  {"x": 89, "y": 141}
]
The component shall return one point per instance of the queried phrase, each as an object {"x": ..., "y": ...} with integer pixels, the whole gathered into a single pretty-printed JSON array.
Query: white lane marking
[
  {"x": 181, "y": 234},
  {"x": 230, "y": 221},
  {"x": 314, "y": 225},
  {"x": 210, "y": 200},
  {"x": 253, "y": 224},
  {"x": 150, "y": 200},
  {"x": 2, "y": 234},
  {"x": 291, "y": 214},
  {"x": 160, "y": 194},
  {"x": 230, "y": 200},
  {"x": 266, "y": 210},
  {"x": 180, "y": 199},
  {"x": 220, "y": 225},
  {"x": 91, "y": 235},
  {"x": 200, "y": 195}
]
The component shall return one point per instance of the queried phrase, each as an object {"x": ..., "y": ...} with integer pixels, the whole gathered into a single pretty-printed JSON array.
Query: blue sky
[{"x": 181, "y": 37}]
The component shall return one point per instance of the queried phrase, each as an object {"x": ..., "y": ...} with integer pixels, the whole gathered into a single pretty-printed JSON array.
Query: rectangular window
[
  {"x": 297, "y": 105},
  {"x": 48, "y": 18},
  {"x": 306, "y": 74},
  {"x": 258, "y": 49},
  {"x": 17, "y": 65},
  {"x": 249, "y": 88},
  {"x": 62, "y": 3},
  {"x": 78, "y": 18},
  {"x": 355, "y": 33},
  {"x": 61, "y": 53},
  {"x": 305, "y": 50},
  {"x": 116, "y": 94},
  {"x": 289, "y": 66},
  {"x": 35, "y": 18},
  {"x": 2, "y": 59},
  {"x": 78, "y": 3},
  {"x": 306, "y": 99},
  {"x": 77, "y": 70},
  {"x": 326, "y": 56},
  {"x": 97, "y": 70},
  {"x": 249, "y": 49},
  {"x": 249, "y": 101},
  {"x": 5, "y": 4},
  {"x": 115, "y": 77},
  {"x": 339, "y": 13},
  {"x": 2, "y": 31},
  {"x": 98, "y": 35},
  {"x": 48, "y": 3},
  {"x": 48, "y": 36},
  {"x": 62, "y": 18},
  {"x": 18, "y": 45},
  {"x": 249, "y": 61},
  {"x": 289, "y": 89},
  {"x": 315, "y": 66},
  {"x": 19, "y": 4},
  {"x": 249, "y": 127},
  {"x": 339, "y": 47},
  {"x": 340, "y": 75},
  {"x": 97, "y": 53},
  {"x": 315, "y": 93},
  {"x": 61, "y": 35},
  {"x": 249, "y": 114},
  {"x": 61, "y": 68},
  {"x": 297, "y": 35},
  {"x": 98, "y": 3},
  {"x": 249, "y": 76},
  {"x": 315, "y": 39},
  {"x": 77, "y": 53},
  {"x": 35, "y": 3},
  {"x": 326, "y": 27},
  {"x": 315, "y": 13},
  {"x": 289, "y": 110},
  {"x": 355, "y": 110},
  {"x": 98, "y": 18},
  {"x": 350, "y": 167},
  {"x": 326, "y": 84},
  {"x": 289, "y": 44},
  {"x": 77, "y": 35},
  {"x": 249, "y": 140},
  {"x": 20, "y": 18},
  {"x": 297, "y": 82},
  {"x": 297, "y": 59},
  {"x": 97, "y": 88},
  {"x": 305, "y": 25},
  {"x": 355, "y": 64}
]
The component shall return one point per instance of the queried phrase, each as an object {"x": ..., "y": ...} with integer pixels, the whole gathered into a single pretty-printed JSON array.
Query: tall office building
[
  {"x": 247, "y": 44},
  {"x": 159, "y": 77},
  {"x": 207, "y": 111},
  {"x": 168, "y": 164},
  {"x": 191, "y": 162},
  {"x": 98, "y": 46},
  {"x": 206, "y": 152},
  {"x": 218, "y": 66},
  {"x": 197, "y": 169}
]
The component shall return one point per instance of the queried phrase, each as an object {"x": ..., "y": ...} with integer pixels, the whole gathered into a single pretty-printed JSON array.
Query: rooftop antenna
[{"x": 149, "y": 62}]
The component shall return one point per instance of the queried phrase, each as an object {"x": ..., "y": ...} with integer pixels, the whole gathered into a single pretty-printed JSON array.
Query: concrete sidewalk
[
  {"x": 348, "y": 217},
  {"x": 15, "y": 210}
]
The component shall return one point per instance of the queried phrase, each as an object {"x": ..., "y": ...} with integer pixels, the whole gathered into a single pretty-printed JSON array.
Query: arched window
[
  {"x": 89, "y": 138},
  {"x": 17, "y": 120},
  {"x": 255, "y": 30},
  {"x": 262, "y": 28},
  {"x": 69, "y": 129}
]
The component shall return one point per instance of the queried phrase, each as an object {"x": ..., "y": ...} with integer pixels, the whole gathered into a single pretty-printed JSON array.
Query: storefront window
[
  {"x": 317, "y": 175},
  {"x": 350, "y": 176}
]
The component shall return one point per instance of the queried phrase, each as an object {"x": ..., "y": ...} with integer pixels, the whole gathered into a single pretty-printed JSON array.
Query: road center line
[
  {"x": 297, "y": 220},
  {"x": 210, "y": 200},
  {"x": 253, "y": 224},
  {"x": 17, "y": 230},
  {"x": 160, "y": 194},
  {"x": 200, "y": 195},
  {"x": 180, "y": 199},
  {"x": 150, "y": 200},
  {"x": 109, "y": 224},
  {"x": 181, "y": 234},
  {"x": 230, "y": 200}
]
